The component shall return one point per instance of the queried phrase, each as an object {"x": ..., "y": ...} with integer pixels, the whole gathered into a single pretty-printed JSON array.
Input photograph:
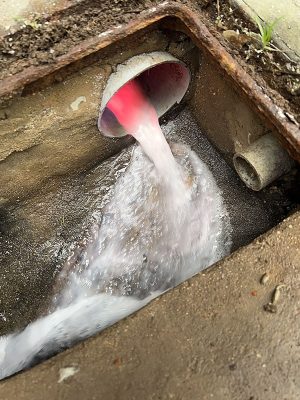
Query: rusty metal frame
[{"x": 284, "y": 124}]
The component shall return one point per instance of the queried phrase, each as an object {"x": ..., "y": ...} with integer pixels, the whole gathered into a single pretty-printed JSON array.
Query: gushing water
[
  {"x": 141, "y": 121},
  {"x": 165, "y": 222}
]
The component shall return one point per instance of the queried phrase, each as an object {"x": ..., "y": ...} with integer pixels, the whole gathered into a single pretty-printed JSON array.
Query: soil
[
  {"x": 52, "y": 36},
  {"x": 280, "y": 71}
]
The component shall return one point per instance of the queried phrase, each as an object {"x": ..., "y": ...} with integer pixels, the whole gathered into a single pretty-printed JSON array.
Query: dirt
[
  {"x": 280, "y": 72},
  {"x": 56, "y": 34},
  {"x": 49, "y": 37}
]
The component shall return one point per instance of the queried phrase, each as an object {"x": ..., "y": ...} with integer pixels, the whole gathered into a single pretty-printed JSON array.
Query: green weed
[
  {"x": 32, "y": 23},
  {"x": 266, "y": 33}
]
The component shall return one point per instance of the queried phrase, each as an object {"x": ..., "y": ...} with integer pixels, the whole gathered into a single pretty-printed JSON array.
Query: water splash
[{"x": 165, "y": 222}]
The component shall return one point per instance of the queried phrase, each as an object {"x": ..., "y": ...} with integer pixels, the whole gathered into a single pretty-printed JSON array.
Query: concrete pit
[{"x": 55, "y": 171}]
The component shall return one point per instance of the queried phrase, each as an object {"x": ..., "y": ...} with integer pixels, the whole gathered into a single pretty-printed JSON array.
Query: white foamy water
[{"x": 165, "y": 222}]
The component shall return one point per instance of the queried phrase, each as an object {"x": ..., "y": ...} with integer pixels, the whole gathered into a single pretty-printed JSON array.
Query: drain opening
[
  {"x": 262, "y": 162},
  {"x": 247, "y": 173}
]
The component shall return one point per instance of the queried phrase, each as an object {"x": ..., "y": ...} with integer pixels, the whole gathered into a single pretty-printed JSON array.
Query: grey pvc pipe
[
  {"x": 164, "y": 78},
  {"x": 262, "y": 162}
]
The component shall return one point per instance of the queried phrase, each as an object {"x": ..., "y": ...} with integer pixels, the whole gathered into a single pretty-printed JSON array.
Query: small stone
[
  {"x": 76, "y": 103},
  {"x": 117, "y": 362},
  {"x": 293, "y": 87},
  {"x": 232, "y": 366},
  {"x": 67, "y": 372},
  {"x": 271, "y": 308},
  {"x": 235, "y": 38},
  {"x": 220, "y": 24},
  {"x": 3, "y": 114},
  {"x": 264, "y": 279},
  {"x": 276, "y": 293}
]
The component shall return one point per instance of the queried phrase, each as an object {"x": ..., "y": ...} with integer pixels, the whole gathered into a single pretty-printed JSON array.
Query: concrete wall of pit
[{"x": 52, "y": 131}]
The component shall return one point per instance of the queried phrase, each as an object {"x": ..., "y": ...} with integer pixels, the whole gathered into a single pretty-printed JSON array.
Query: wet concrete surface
[{"x": 208, "y": 338}]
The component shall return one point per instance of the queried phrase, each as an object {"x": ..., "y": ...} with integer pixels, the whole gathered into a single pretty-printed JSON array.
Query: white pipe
[
  {"x": 262, "y": 162},
  {"x": 164, "y": 78}
]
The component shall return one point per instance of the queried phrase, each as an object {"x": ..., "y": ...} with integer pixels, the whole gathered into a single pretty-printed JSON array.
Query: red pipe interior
[{"x": 131, "y": 107}]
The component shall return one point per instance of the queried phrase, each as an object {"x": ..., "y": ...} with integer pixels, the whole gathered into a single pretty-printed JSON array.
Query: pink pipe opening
[{"x": 131, "y": 107}]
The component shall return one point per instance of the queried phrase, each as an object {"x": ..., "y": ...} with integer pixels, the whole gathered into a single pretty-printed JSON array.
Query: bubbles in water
[
  {"x": 165, "y": 222},
  {"x": 140, "y": 250},
  {"x": 146, "y": 243}
]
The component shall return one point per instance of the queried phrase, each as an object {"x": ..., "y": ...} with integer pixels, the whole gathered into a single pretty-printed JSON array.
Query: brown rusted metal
[{"x": 286, "y": 126}]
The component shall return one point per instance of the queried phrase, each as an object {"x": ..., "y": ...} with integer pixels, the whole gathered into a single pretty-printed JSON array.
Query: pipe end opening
[
  {"x": 247, "y": 173},
  {"x": 164, "y": 81}
]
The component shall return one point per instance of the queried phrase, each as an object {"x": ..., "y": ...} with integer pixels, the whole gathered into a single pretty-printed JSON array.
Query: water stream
[{"x": 165, "y": 221}]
